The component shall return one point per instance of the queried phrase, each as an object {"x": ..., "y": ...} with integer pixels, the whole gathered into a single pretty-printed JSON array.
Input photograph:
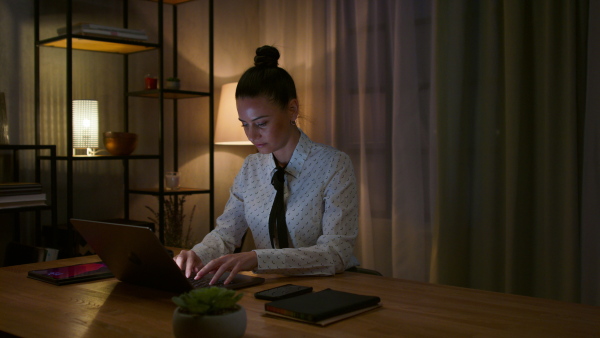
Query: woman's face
[{"x": 268, "y": 126}]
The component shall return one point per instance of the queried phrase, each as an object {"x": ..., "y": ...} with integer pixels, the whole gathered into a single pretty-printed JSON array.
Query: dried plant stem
[{"x": 174, "y": 222}]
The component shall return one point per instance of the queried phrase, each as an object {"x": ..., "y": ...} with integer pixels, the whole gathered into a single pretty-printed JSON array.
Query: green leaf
[{"x": 212, "y": 300}]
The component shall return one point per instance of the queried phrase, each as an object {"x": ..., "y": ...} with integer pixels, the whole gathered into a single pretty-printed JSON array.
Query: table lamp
[
  {"x": 229, "y": 130},
  {"x": 85, "y": 126}
]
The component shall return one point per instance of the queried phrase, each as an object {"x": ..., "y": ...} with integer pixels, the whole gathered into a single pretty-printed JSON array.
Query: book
[
  {"x": 21, "y": 204},
  {"x": 19, "y": 188},
  {"x": 98, "y": 30},
  {"x": 109, "y": 28},
  {"x": 103, "y": 33},
  {"x": 323, "y": 307},
  {"x": 22, "y": 198},
  {"x": 19, "y": 185},
  {"x": 27, "y": 200}
]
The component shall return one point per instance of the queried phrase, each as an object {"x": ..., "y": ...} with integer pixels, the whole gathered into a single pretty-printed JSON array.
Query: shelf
[
  {"x": 26, "y": 147},
  {"x": 105, "y": 157},
  {"x": 180, "y": 191},
  {"x": 98, "y": 44},
  {"x": 169, "y": 94},
  {"x": 172, "y": 2}
]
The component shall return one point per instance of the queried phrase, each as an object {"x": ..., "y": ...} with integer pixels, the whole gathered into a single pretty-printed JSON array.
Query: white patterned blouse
[{"x": 321, "y": 212}]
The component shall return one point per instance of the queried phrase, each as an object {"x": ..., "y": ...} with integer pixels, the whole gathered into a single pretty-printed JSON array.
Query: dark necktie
[{"x": 277, "y": 225}]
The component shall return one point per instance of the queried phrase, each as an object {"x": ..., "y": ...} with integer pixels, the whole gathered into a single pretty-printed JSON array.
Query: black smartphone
[{"x": 284, "y": 291}]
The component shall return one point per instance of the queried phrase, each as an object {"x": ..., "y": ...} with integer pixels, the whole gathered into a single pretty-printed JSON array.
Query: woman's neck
[
  {"x": 283, "y": 157},
  {"x": 280, "y": 164}
]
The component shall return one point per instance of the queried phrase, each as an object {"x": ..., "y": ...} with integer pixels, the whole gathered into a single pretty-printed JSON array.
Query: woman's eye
[{"x": 262, "y": 124}]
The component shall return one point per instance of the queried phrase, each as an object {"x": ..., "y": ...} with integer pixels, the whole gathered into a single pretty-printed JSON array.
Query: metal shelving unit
[
  {"x": 49, "y": 206},
  {"x": 74, "y": 42}
]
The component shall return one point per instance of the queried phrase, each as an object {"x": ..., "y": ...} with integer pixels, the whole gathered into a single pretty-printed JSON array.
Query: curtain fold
[
  {"x": 590, "y": 195},
  {"x": 362, "y": 71},
  {"x": 411, "y": 220},
  {"x": 508, "y": 138}
]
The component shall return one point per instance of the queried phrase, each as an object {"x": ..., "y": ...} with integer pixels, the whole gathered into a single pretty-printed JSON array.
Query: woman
[{"x": 310, "y": 226}]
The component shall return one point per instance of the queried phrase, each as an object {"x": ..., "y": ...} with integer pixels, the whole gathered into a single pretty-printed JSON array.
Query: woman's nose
[{"x": 251, "y": 133}]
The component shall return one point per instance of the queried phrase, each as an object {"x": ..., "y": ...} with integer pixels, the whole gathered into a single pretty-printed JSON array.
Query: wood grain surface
[{"x": 109, "y": 308}]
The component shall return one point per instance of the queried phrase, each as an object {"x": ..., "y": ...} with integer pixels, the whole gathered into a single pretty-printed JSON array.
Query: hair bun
[{"x": 266, "y": 56}]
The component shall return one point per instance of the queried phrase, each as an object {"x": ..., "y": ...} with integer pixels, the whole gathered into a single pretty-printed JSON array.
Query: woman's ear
[{"x": 292, "y": 109}]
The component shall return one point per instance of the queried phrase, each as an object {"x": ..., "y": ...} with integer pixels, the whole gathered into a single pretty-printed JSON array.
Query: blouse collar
[{"x": 294, "y": 166}]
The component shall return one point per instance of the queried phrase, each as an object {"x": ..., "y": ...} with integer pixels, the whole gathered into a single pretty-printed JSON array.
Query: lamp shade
[
  {"x": 85, "y": 124},
  {"x": 229, "y": 130}
]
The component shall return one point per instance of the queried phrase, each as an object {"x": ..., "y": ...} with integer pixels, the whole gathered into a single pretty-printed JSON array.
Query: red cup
[{"x": 151, "y": 82}]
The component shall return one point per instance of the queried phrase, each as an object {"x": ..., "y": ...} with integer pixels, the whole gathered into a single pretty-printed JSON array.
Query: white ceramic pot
[{"x": 230, "y": 325}]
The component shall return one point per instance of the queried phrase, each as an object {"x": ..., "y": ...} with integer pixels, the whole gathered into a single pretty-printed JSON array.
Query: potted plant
[
  {"x": 172, "y": 83},
  {"x": 209, "y": 312}
]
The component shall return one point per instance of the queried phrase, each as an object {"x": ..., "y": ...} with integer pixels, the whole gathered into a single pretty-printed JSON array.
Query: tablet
[{"x": 72, "y": 273}]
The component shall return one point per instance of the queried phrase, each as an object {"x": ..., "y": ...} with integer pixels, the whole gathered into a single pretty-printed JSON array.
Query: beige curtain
[
  {"x": 510, "y": 86},
  {"x": 362, "y": 71}
]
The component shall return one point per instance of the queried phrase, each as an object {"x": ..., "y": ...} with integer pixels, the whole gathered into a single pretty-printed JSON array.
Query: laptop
[{"x": 135, "y": 255}]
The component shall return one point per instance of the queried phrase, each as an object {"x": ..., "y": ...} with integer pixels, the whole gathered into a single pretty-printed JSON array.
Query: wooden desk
[{"x": 109, "y": 308}]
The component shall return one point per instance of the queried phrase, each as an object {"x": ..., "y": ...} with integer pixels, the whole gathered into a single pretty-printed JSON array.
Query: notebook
[
  {"x": 323, "y": 307},
  {"x": 135, "y": 255}
]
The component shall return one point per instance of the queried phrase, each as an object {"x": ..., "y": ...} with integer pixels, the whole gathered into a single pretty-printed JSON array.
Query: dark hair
[{"x": 267, "y": 79}]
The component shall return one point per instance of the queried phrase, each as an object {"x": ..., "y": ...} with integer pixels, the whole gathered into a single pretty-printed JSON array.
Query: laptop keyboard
[{"x": 203, "y": 282}]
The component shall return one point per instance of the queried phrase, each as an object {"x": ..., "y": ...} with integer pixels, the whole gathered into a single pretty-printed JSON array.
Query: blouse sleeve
[
  {"x": 333, "y": 251},
  {"x": 231, "y": 225}
]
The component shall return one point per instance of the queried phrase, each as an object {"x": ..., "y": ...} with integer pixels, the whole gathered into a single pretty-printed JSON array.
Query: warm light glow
[
  {"x": 229, "y": 130},
  {"x": 85, "y": 125}
]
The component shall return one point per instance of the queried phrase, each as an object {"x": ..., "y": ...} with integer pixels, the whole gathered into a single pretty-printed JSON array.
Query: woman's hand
[
  {"x": 244, "y": 261},
  {"x": 188, "y": 262}
]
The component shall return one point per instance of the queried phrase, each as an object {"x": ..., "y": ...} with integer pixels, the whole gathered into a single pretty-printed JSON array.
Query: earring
[{"x": 293, "y": 123}]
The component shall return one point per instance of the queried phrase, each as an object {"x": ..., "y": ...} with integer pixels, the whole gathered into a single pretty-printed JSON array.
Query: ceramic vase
[{"x": 230, "y": 325}]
